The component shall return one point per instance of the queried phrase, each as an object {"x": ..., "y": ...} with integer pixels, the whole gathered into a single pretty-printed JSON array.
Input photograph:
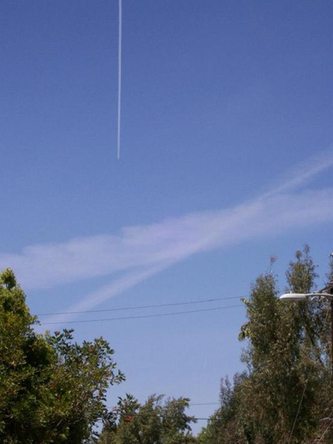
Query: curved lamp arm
[{"x": 299, "y": 297}]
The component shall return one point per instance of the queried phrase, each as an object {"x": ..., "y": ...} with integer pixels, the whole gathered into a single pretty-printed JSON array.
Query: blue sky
[{"x": 226, "y": 159}]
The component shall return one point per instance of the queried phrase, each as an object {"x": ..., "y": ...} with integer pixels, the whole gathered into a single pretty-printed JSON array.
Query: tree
[
  {"x": 227, "y": 424},
  {"x": 52, "y": 389},
  {"x": 154, "y": 422},
  {"x": 286, "y": 391}
]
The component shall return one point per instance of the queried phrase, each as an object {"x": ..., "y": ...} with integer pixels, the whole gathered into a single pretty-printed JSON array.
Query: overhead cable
[
  {"x": 136, "y": 307},
  {"x": 157, "y": 315}
]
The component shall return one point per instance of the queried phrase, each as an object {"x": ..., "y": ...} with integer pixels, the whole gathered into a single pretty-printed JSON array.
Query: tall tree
[
  {"x": 286, "y": 391},
  {"x": 52, "y": 389}
]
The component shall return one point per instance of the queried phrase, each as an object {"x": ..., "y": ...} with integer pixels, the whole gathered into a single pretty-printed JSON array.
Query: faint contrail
[
  {"x": 119, "y": 77},
  {"x": 303, "y": 172}
]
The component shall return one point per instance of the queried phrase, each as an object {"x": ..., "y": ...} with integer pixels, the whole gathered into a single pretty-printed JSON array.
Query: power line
[
  {"x": 137, "y": 307},
  {"x": 157, "y": 315}
]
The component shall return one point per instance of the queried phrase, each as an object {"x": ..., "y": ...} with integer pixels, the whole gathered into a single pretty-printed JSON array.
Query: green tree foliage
[
  {"x": 286, "y": 391},
  {"x": 154, "y": 422},
  {"x": 52, "y": 390},
  {"x": 226, "y": 425}
]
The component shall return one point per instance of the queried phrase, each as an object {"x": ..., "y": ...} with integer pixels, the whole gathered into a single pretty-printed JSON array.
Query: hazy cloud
[{"x": 142, "y": 251}]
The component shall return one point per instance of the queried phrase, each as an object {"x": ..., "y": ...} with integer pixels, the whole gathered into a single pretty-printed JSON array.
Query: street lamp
[{"x": 326, "y": 293}]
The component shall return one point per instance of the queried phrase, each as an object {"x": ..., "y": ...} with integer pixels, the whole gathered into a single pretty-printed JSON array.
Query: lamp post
[{"x": 326, "y": 293}]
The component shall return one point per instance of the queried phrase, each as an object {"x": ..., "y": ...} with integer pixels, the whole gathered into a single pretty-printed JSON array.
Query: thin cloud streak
[
  {"x": 140, "y": 252},
  {"x": 208, "y": 231},
  {"x": 304, "y": 172},
  {"x": 48, "y": 265},
  {"x": 106, "y": 292}
]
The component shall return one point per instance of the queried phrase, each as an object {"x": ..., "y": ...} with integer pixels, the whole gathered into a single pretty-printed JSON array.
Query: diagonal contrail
[
  {"x": 303, "y": 172},
  {"x": 119, "y": 77}
]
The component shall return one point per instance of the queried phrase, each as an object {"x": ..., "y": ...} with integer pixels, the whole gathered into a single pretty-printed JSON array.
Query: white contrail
[
  {"x": 174, "y": 239},
  {"x": 119, "y": 76},
  {"x": 120, "y": 285},
  {"x": 303, "y": 172},
  {"x": 199, "y": 233}
]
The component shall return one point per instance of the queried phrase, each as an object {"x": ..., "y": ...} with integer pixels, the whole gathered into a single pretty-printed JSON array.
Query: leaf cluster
[
  {"x": 154, "y": 422},
  {"x": 52, "y": 389},
  {"x": 286, "y": 390}
]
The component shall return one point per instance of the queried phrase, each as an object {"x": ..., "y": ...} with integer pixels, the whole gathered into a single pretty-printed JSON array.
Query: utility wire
[
  {"x": 136, "y": 307},
  {"x": 157, "y": 315}
]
